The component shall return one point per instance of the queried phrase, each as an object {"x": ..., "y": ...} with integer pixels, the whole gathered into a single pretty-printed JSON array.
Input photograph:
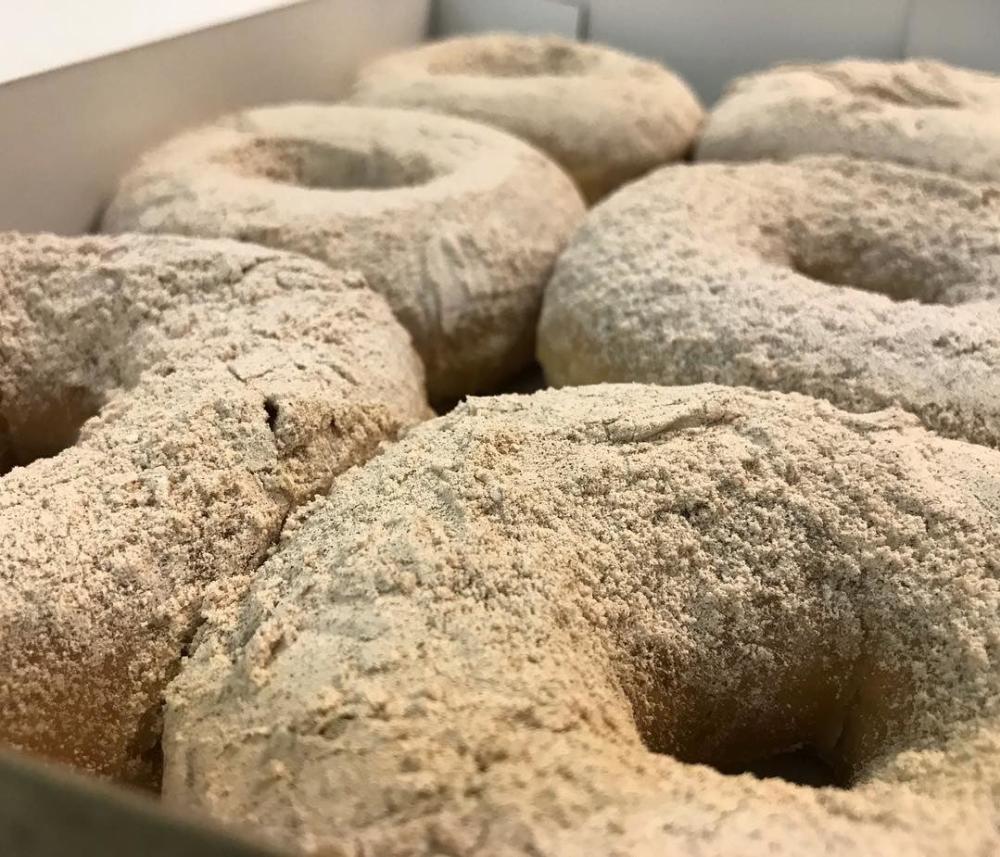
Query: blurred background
[{"x": 86, "y": 87}]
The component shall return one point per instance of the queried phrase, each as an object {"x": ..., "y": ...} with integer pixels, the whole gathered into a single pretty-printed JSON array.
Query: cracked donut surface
[
  {"x": 919, "y": 112},
  {"x": 164, "y": 404},
  {"x": 456, "y": 224},
  {"x": 517, "y": 630},
  {"x": 867, "y": 284},
  {"x": 604, "y": 115}
]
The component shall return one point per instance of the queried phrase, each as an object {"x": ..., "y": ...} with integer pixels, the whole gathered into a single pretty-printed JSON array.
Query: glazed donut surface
[
  {"x": 513, "y": 632},
  {"x": 605, "y": 116},
  {"x": 862, "y": 283},
  {"x": 214, "y": 387},
  {"x": 920, "y": 112},
  {"x": 458, "y": 225}
]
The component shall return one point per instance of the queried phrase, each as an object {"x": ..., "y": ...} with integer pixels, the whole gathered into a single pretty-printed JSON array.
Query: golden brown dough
[
  {"x": 607, "y": 117},
  {"x": 867, "y": 284},
  {"x": 516, "y": 631},
  {"x": 224, "y": 384},
  {"x": 919, "y": 112},
  {"x": 456, "y": 224}
]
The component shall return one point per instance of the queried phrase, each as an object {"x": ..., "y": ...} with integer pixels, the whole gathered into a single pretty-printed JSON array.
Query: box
[{"x": 76, "y": 113}]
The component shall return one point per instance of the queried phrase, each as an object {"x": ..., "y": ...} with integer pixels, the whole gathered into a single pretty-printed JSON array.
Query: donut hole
[
  {"x": 45, "y": 427},
  {"x": 796, "y": 745},
  {"x": 829, "y": 725},
  {"x": 802, "y": 766},
  {"x": 795, "y": 703},
  {"x": 520, "y": 60},
  {"x": 860, "y": 256},
  {"x": 323, "y": 166},
  {"x": 856, "y": 276},
  {"x": 768, "y": 747}
]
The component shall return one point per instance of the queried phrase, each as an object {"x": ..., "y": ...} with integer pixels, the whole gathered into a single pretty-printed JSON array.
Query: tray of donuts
[{"x": 516, "y": 458}]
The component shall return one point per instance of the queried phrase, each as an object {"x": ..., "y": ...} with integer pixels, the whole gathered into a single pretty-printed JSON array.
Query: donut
[
  {"x": 864, "y": 283},
  {"x": 919, "y": 112},
  {"x": 457, "y": 225},
  {"x": 529, "y": 626},
  {"x": 605, "y": 116},
  {"x": 164, "y": 405}
]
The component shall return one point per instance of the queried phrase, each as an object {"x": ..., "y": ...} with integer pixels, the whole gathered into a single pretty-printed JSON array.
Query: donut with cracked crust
[
  {"x": 456, "y": 224},
  {"x": 920, "y": 112},
  {"x": 868, "y": 284},
  {"x": 606, "y": 116},
  {"x": 517, "y": 630},
  {"x": 164, "y": 404}
]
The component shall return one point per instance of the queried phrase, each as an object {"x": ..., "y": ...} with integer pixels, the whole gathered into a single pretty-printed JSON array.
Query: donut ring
[
  {"x": 727, "y": 274},
  {"x": 922, "y": 113},
  {"x": 457, "y": 225},
  {"x": 605, "y": 116},
  {"x": 486, "y": 639},
  {"x": 232, "y": 384}
]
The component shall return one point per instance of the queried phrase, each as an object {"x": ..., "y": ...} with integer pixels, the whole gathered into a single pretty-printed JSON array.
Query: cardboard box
[{"x": 70, "y": 130}]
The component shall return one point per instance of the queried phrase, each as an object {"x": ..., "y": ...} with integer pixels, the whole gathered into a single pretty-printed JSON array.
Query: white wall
[
  {"x": 711, "y": 41},
  {"x": 67, "y": 135},
  {"x": 41, "y": 36},
  {"x": 520, "y": 16},
  {"x": 964, "y": 32}
]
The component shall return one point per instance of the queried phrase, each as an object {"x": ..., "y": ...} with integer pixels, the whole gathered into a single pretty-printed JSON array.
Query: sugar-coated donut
[
  {"x": 919, "y": 112},
  {"x": 731, "y": 274},
  {"x": 514, "y": 631},
  {"x": 458, "y": 225},
  {"x": 605, "y": 116},
  {"x": 227, "y": 384}
]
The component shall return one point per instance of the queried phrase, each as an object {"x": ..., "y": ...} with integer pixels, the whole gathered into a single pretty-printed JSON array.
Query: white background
[{"x": 39, "y": 35}]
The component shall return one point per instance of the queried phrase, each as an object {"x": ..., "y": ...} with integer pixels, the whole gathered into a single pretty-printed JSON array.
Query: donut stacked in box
[{"x": 731, "y": 586}]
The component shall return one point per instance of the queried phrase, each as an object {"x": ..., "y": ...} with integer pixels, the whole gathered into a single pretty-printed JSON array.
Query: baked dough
[
  {"x": 514, "y": 632},
  {"x": 458, "y": 225},
  {"x": 225, "y": 385},
  {"x": 731, "y": 274},
  {"x": 920, "y": 112},
  {"x": 605, "y": 116}
]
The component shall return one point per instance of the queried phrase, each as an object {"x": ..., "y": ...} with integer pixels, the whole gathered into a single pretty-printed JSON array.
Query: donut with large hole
[
  {"x": 458, "y": 225},
  {"x": 864, "y": 283},
  {"x": 164, "y": 404},
  {"x": 919, "y": 112},
  {"x": 517, "y": 631},
  {"x": 605, "y": 116}
]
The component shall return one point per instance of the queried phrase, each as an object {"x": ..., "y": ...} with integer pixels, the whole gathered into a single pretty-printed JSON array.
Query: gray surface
[
  {"x": 709, "y": 42},
  {"x": 520, "y": 16},
  {"x": 963, "y": 32},
  {"x": 66, "y": 136},
  {"x": 48, "y": 812}
]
